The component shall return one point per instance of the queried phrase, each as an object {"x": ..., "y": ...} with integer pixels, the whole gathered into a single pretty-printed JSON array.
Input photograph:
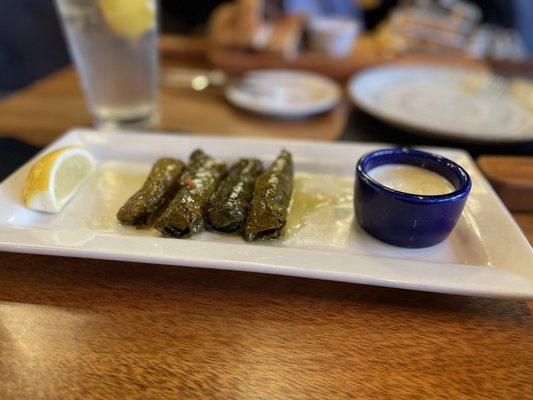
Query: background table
[
  {"x": 46, "y": 109},
  {"x": 76, "y": 328}
]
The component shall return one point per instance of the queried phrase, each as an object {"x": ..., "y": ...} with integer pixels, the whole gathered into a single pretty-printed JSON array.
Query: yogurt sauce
[{"x": 411, "y": 179}]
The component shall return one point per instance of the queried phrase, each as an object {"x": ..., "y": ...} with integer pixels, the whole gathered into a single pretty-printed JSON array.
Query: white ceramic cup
[{"x": 334, "y": 36}]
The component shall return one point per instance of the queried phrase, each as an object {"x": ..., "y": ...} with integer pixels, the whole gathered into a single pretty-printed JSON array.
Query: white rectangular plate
[{"x": 486, "y": 254}]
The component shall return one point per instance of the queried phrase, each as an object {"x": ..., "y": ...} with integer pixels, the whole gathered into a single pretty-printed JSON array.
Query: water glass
[{"x": 114, "y": 47}]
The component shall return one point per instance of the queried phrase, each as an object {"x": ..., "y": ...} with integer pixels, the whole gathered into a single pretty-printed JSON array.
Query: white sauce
[{"x": 411, "y": 179}]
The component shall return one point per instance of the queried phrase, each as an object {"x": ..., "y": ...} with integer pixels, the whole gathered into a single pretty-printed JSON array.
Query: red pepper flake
[{"x": 189, "y": 182}]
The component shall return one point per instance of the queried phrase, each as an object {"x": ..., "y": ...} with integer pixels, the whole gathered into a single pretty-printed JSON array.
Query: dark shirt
[{"x": 31, "y": 42}]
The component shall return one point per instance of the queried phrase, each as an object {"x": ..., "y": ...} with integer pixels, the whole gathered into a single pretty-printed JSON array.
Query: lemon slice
[
  {"x": 128, "y": 18},
  {"x": 56, "y": 177}
]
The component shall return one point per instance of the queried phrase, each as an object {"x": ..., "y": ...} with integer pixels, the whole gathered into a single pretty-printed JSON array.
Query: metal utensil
[{"x": 192, "y": 78}]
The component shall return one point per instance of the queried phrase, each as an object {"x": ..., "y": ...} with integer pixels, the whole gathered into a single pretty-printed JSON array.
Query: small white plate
[
  {"x": 435, "y": 101},
  {"x": 284, "y": 93},
  {"x": 486, "y": 254}
]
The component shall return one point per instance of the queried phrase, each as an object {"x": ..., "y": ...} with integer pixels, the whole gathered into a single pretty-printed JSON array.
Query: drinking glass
[{"x": 113, "y": 44}]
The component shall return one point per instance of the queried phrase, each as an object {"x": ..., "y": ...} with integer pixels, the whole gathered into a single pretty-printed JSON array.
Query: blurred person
[
  {"x": 497, "y": 12},
  {"x": 524, "y": 21},
  {"x": 31, "y": 42},
  {"x": 314, "y": 8},
  {"x": 376, "y": 11},
  {"x": 185, "y": 16}
]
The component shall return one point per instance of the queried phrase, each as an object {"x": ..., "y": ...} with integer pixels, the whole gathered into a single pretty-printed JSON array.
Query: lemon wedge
[
  {"x": 128, "y": 18},
  {"x": 56, "y": 177}
]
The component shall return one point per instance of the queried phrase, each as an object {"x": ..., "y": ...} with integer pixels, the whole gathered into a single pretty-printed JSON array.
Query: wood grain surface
[
  {"x": 41, "y": 112},
  {"x": 182, "y": 47},
  {"x": 512, "y": 178},
  {"x": 89, "y": 329},
  {"x": 525, "y": 221}
]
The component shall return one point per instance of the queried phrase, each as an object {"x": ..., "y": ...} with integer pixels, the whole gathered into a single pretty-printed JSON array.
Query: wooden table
[
  {"x": 83, "y": 329},
  {"x": 41, "y": 112}
]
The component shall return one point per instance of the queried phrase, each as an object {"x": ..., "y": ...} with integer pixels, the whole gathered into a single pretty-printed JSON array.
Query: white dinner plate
[
  {"x": 437, "y": 101},
  {"x": 284, "y": 93},
  {"x": 486, "y": 254}
]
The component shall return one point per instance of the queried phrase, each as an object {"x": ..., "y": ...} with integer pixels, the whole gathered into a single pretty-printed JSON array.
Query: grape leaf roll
[
  {"x": 228, "y": 208},
  {"x": 160, "y": 186},
  {"x": 185, "y": 214},
  {"x": 271, "y": 198}
]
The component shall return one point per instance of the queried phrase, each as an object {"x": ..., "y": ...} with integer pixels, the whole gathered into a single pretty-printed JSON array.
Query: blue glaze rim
[{"x": 401, "y": 153}]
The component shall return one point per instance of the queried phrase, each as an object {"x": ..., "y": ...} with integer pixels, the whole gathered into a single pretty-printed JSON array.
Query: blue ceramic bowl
[{"x": 404, "y": 219}]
